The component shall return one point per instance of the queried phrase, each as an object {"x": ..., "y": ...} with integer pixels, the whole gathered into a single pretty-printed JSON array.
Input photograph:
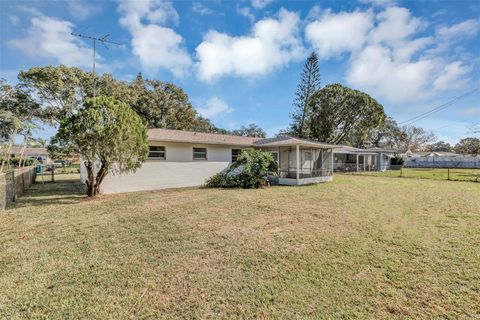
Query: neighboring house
[
  {"x": 350, "y": 159},
  {"x": 410, "y": 154},
  {"x": 184, "y": 158},
  {"x": 440, "y": 159},
  {"x": 41, "y": 154}
]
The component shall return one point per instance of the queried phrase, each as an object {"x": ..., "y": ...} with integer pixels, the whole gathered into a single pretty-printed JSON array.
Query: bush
[
  {"x": 26, "y": 162},
  {"x": 249, "y": 171},
  {"x": 397, "y": 161}
]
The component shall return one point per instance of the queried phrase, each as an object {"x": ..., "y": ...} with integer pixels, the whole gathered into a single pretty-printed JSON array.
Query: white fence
[{"x": 467, "y": 162}]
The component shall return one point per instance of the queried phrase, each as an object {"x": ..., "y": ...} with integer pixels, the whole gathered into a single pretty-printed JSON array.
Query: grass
[
  {"x": 358, "y": 247},
  {"x": 472, "y": 175}
]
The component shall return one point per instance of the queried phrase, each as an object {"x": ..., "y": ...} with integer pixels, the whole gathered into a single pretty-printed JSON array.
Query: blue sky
[{"x": 239, "y": 61}]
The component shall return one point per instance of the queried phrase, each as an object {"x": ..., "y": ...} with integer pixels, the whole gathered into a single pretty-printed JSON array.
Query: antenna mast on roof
[{"x": 103, "y": 40}]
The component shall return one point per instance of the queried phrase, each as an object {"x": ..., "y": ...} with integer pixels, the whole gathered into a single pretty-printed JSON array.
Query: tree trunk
[
  {"x": 9, "y": 151},
  {"x": 90, "y": 179},
  {"x": 99, "y": 179},
  {"x": 21, "y": 161}
]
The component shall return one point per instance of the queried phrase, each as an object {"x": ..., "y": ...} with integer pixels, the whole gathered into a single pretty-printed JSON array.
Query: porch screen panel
[
  {"x": 317, "y": 160},
  {"x": 327, "y": 160}
]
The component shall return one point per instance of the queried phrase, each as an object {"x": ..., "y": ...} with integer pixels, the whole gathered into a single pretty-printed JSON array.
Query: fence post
[
  {"x": 53, "y": 173},
  {"x": 448, "y": 171},
  {"x": 401, "y": 171}
]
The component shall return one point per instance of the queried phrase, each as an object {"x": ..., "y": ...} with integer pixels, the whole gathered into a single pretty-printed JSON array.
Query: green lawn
[
  {"x": 428, "y": 173},
  {"x": 358, "y": 247}
]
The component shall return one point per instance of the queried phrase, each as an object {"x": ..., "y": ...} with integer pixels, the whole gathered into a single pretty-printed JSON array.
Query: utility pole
[{"x": 103, "y": 40}]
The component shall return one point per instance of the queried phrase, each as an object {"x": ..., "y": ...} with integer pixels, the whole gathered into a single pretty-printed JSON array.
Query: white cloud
[
  {"x": 82, "y": 10},
  {"x": 395, "y": 25},
  {"x": 14, "y": 19},
  {"x": 465, "y": 29},
  {"x": 404, "y": 50},
  {"x": 375, "y": 70},
  {"x": 378, "y": 2},
  {"x": 387, "y": 58},
  {"x": 260, "y": 4},
  {"x": 214, "y": 108},
  {"x": 246, "y": 12},
  {"x": 272, "y": 43},
  {"x": 200, "y": 9},
  {"x": 155, "y": 45},
  {"x": 474, "y": 112},
  {"x": 50, "y": 38},
  {"x": 332, "y": 34},
  {"x": 386, "y": 65},
  {"x": 155, "y": 11},
  {"x": 452, "y": 77}
]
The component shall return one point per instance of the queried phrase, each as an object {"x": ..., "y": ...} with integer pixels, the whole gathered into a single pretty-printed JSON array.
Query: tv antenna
[{"x": 103, "y": 40}]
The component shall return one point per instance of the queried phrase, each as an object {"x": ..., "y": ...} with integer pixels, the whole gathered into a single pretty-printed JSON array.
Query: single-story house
[
  {"x": 185, "y": 158},
  {"x": 40, "y": 154},
  {"x": 351, "y": 159}
]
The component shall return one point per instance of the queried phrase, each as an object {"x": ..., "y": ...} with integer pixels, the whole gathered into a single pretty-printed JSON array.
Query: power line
[
  {"x": 103, "y": 40},
  {"x": 437, "y": 109}
]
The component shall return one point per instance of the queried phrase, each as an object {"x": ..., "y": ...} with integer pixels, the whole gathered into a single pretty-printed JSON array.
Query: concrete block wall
[{"x": 14, "y": 183}]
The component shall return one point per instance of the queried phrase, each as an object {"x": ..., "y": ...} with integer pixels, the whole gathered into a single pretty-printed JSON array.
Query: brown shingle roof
[
  {"x": 168, "y": 135},
  {"x": 29, "y": 151},
  {"x": 353, "y": 150},
  {"x": 288, "y": 141}
]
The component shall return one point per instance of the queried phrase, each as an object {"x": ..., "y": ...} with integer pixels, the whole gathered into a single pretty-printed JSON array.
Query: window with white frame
[
  {"x": 156, "y": 152},
  {"x": 199, "y": 153},
  {"x": 274, "y": 155},
  {"x": 235, "y": 154}
]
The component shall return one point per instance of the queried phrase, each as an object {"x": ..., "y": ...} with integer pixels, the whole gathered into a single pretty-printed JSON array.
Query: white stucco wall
[
  {"x": 383, "y": 161},
  {"x": 177, "y": 170}
]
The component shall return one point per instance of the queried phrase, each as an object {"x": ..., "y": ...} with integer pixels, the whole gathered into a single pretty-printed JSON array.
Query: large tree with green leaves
[
  {"x": 251, "y": 130},
  {"x": 59, "y": 90},
  {"x": 440, "y": 146},
  {"x": 309, "y": 84},
  {"x": 63, "y": 90},
  {"x": 418, "y": 139},
  {"x": 108, "y": 135},
  {"x": 387, "y": 135},
  {"x": 468, "y": 145},
  {"x": 19, "y": 114},
  {"x": 339, "y": 112},
  {"x": 162, "y": 105}
]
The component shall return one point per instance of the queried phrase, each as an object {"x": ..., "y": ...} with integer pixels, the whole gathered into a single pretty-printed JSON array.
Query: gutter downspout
[{"x": 298, "y": 164}]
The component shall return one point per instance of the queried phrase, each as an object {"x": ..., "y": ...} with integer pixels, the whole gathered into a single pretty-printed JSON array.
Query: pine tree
[{"x": 309, "y": 84}]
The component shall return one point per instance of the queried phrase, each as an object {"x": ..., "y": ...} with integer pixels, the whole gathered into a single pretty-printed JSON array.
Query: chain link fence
[{"x": 453, "y": 174}]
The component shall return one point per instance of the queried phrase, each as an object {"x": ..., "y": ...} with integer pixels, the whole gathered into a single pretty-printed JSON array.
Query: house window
[
  {"x": 274, "y": 155},
  {"x": 199, "y": 153},
  {"x": 156, "y": 152},
  {"x": 308, "y": 156},
  {"x": 351, "y": 158},
  {"x": 235, "y": 154}
]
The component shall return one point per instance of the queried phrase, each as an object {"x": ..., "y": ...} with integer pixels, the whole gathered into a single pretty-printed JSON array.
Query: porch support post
[
  {"x": 357, "y": 161},
  {"x": 311, "y": 160},
  {"x": 278, "y": 169},
  {"x": 298, "y": 164},
  {"x": 332, "y": 154},
  {"x": 363, "y": 163}
]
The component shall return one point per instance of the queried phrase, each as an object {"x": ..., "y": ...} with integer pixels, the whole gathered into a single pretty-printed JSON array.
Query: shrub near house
[{"x": 249, "y": 171}]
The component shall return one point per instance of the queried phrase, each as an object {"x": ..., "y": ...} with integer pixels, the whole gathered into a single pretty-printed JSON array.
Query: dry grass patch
[{"x": 360, "y": 246}]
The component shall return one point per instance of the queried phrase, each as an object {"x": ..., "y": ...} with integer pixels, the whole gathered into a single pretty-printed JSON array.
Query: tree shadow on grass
[{"x": 53, "y": 193}]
